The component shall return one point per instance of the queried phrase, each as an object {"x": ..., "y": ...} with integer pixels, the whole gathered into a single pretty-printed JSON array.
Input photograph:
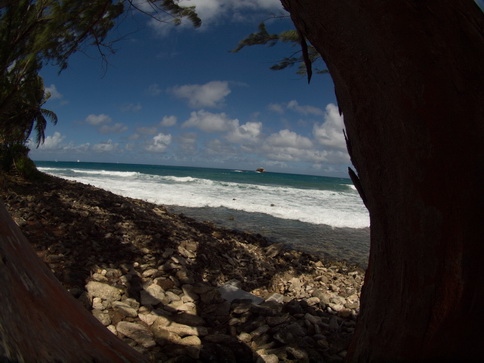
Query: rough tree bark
[
  {"x": 39, "y": 320},
  {"x": 409, "y": 79}
]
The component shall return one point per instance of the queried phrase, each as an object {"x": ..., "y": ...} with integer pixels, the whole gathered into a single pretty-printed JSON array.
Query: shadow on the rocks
[{"x": 86, "y": 234}]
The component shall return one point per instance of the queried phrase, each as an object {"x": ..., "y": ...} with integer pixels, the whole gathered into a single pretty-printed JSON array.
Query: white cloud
[
  {"x": 212, "y": 10},
  {"x": 221, "y": 149},
  {"x": 153, "y": 89},
  {"x": 276, "y": 107},
  {"x": 143, "y": 5},
  {"x": 211, "y": 94},
  {"x": 103, "y": 147},
  {"x": 246, "y": 133},
  {"x": 142, "y": 132},
  {"x": 216, "y": 11},
  {"x": 159, "y": 143},
  {"x": 326, "y": 146},
  {"x": 168, "y": 121},
  {"x": 210, "y": 122},
  {"x": 97, "y": 120},
  {"x": 54, "y": 93},
  {"x": 296, "y": 154},
  {"x": 330, "y": 131},
  {"x": 131, "y": 107},
  {"x": 286, "y": 138},
  {"x": 188, "y": 142},
  {"x": 287, "y": 146},
  {"x": 103, "y": 124},
  {"x": 294, "y": 106},
  {"x": 146, "y": 130},
  {"x": 117, "y": 128},
  {"x": 304, "y": 110},
  {"x": 53, "y": 142}
]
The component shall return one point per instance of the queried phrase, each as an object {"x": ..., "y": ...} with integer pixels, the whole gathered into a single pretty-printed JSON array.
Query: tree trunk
[
  {"x": 409, "y": 79},
  {"x": 39, "y": 320}
]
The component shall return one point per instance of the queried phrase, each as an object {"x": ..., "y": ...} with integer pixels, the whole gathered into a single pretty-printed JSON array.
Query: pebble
[
  {"x": 180, "y": 290},
  {"x": 268, "y": 358},
  {"x": 148, "y": 319},
  {"x": 138, "y": 332},
  {"x": 103, "y": 291},
  {"x": 124, "y": 309},
  {"x": 103, "y": 317}
]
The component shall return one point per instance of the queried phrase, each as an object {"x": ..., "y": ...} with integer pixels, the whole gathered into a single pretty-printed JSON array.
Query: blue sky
[{"x": 177, "y": 96}]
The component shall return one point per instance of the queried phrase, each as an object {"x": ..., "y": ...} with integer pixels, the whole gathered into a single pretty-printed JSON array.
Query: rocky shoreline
[{"x": 179, "y": 290}]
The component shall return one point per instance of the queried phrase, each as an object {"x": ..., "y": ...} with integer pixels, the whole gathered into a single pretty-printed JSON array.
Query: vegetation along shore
[{"x": 177, "y": 289}]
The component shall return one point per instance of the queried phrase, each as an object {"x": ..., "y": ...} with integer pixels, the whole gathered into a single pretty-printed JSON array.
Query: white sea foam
[
  {"x": 183, "y": 179},
  {"x": 337, "y": 209},
  {"x": 62, "y": 171},
  {"x": 123, "y": 174}
]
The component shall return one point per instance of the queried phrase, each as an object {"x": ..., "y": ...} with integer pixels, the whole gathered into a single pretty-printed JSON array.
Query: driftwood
[{"x": 39, "y": 320}]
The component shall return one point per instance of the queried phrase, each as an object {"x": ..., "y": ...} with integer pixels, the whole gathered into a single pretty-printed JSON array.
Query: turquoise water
[{"x": 318, "y": 214}]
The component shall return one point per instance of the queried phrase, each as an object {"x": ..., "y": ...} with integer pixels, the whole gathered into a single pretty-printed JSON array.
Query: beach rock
[
  {"x": 132, "y": 303},
  {"x": 298, "y": 354},
  {"x": 149, "y": 272},
  {"x": 148, "y": 319},
  {"x": 124, "y": 309},
  {"x": 100, "y": 304},
  {"x": 219, "y": 338},
  {"x": 277, "y": 320},
  {"x": 152, "y": 295},
  {"x": 100, "y": 278},
  {"x": 284, "y": 337},
  {"x": 168, "y": 252},
  {"x": 211, "y": 296},
  {"x": 188, "y": 307},
  {"x": 189, "y": 294},
  {"x": 139, "y": 333},
  {"x": 170, "y": 296},
  {"x": 184, "y": 276},
  {"x": 103, "y": 317},
  {"x": 336, "y": 307},
  {"x": 163, "y": 281},
  {"x": 230, "y": 292},
  {"x": 147, "y": 299},
  {"x": 187, "y": 249},
  {"x": 189, "y": 319},
  {"x": 275, "y": 297},
  {"x": 316, "y": 320},
  {"x": 191, "y": 340},
  {"x": 323, "y": 296},
  {"x": 295, "y": 285},
  {"x": 262, "y": 329},
  {"x": 267, "y": 358},
  {"x": 163, "y": 324},
  {"x": 296, "y": 330},
  {"x": 333, "y": 323},
  {"x": 352, "y": 305},
  {"x": 103, "y": 291},
  {"x": 245, "y": 337},
  {"x": 202, "y": 288}
]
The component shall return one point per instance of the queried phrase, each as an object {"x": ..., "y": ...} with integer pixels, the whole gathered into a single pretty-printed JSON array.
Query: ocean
[{"x": 321, "y": 215}]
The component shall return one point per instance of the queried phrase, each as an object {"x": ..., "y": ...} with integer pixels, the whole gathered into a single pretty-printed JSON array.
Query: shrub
[{"x": 15, "y": 157}]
